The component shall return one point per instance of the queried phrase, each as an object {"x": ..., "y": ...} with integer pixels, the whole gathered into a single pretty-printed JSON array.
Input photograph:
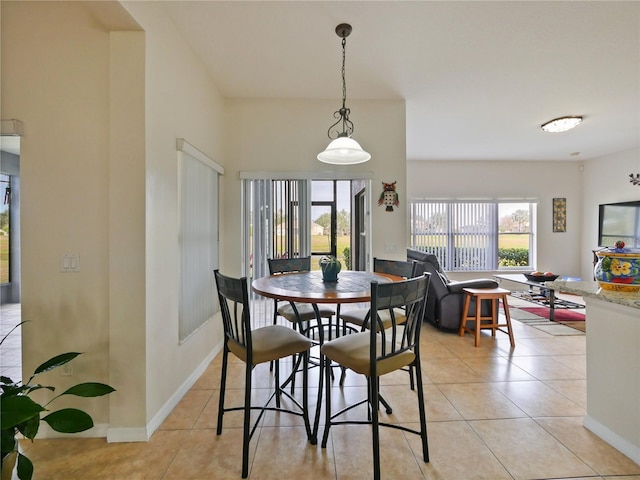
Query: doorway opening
[
  {"x": 289, "y": 218},
  {"x": 10, "y": 308}
]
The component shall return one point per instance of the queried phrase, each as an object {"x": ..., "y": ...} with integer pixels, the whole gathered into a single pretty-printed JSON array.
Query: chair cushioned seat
[
  {"x": 357, "y": 316},
  {"x": 305, "y": 310},
  {"x": 271, "y": 343},
  {"x": 352, "y": 351}
]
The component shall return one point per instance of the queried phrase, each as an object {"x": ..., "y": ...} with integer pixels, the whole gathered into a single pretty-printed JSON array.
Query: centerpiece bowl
[{"x": 540, "y": 278}]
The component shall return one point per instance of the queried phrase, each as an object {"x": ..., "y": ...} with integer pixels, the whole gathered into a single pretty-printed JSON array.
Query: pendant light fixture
[{"x": 343, "y": 150}]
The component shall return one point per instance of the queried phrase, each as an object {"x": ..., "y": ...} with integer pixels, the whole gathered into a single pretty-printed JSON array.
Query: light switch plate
[{"x": 70, "y": 262}]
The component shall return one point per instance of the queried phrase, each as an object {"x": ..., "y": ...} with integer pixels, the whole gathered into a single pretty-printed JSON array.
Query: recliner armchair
[{"x": 446, "y": 298}]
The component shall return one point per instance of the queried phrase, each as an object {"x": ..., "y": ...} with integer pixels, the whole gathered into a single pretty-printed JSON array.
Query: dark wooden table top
[{"x": 308, "y": 287}]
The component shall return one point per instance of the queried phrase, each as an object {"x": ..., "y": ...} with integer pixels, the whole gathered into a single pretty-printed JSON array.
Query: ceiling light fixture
[
  {"x": 561, "y": 124},
  {"x": 343, "y": 150}
]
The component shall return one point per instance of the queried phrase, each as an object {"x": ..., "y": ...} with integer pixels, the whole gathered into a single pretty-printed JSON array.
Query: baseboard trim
[
  {"x": 143, "y": 434},
  {"x": 626, "y": 447},
  {"x": 137, "y": 434},
  {"x": 99, "y": 430}
]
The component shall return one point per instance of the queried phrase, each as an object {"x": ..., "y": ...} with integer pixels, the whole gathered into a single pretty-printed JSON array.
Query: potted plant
[
  {"x": 20, "y": 414},
  {"x": 330, "y": 266}
]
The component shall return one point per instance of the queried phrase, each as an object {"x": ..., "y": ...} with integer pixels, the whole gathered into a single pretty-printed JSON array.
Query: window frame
[{"x": 476, "y": 245}]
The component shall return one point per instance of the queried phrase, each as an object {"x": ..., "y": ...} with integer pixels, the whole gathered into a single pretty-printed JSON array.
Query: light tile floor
[{"x": 493, "y": 413}]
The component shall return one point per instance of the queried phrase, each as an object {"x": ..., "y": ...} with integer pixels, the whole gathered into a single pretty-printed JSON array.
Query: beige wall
[
  {"x": 181, "y": 102},
  {"x": 286, "y": 135},
  {"x": 102, "y": 112},
  {"x": 539, "y": 181},
  {"x": 585, "y": 185},
  {"x": 606, "y": 180},
  {"x": 56, "y": 80}
]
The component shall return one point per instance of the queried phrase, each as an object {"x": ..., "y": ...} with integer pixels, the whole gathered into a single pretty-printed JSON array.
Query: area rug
[
  {"x": 523, "y": 315},
  {"x": 559, "y": 315}
]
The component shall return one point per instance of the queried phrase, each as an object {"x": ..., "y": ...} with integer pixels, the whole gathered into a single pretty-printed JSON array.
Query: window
[
  {"x": 474, "y": 235},
  {"x": 198, "y": 220}
]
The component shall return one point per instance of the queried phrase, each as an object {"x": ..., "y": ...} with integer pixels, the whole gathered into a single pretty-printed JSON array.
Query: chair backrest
[
  {"x": 410, "y": 294},
  {"x": 401, "y": 268},
  {"x": 233, "y": 295},
  {"x": 286, "y": 265}
]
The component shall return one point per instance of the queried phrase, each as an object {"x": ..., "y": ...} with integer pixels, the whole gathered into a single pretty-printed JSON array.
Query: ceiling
[{"x": 478, "y": 78}]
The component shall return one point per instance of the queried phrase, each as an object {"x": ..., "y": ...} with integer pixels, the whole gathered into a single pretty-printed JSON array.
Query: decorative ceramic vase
[
  {"x": 331, "y": 266},
  {"x": 618, "y": 269}
]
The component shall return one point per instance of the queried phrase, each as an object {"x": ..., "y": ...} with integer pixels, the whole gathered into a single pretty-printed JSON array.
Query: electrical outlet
[{"x": 67, "y": 370}]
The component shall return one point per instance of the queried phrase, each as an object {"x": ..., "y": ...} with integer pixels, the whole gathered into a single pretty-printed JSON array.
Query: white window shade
[{"x": 198, "y": 240}]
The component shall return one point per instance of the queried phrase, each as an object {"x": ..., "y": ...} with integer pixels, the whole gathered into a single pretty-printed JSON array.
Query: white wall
[
  {"x": 540, "y": 181},
  {"x": 606, "y": 180}
]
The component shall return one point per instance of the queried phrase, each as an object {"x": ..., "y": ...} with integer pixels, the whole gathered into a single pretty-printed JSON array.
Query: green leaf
[
  {"x": 89, "y": 389},
  {"x": 6, "y": 380},
  {"x": 56, "y": 362},
  {"x": 33, "y": 388},
  {"x": 16, "y": 410},
  {"x": 25, "y": 467},
  {"x": 5, "y": 337},
  {"x": 13, "y": 390},
  {"x": 30, "y": 428},
  {"x": 69, "y": 420},
  {"x": 7, "y": 441}
]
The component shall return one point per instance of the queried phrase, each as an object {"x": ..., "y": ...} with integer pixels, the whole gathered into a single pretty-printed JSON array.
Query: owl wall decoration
[{"x": 389, "y": 197}]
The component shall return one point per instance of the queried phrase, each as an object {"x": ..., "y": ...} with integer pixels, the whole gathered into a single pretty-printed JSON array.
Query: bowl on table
[{"x": 540, "y": 278}]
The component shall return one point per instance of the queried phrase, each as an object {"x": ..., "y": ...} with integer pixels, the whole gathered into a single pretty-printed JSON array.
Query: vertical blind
[
  {"x": 463, "y": 235},
  {"x": 276, "y": 222},
  {"x": 198, "y": 238}
]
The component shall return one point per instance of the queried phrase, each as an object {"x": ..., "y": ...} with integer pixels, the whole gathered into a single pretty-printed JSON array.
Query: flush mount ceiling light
[
  {"x": 561, "y": 124},
  {"x": 343, "y": 150}
]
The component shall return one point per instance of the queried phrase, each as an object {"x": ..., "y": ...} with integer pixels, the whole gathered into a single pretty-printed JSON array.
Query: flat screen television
[{"x": 619, "y": 221}]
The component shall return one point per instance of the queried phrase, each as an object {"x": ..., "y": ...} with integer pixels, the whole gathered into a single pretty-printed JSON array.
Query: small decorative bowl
[{"x": 540, "y": 278}]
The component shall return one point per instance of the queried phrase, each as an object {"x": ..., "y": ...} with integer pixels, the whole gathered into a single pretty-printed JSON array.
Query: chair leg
[
  {"x": 223, "y": 384},
  {"x": 323, "y": 370},
  {"x": 277, "y": 379},
  {"x": 247, "y": 418},
  {"x": 412, "y": 382},
  {"x": 374, "y": 396},
  {"x": 305, "y": 395},
  {"x": 275, "y": 321},
  {"x": 421, "y": 410},
  {"x": 327, "y": 408}
]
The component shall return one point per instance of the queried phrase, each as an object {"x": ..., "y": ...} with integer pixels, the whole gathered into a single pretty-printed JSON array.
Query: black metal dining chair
[
  {"x": 379, "y": 351},
  {"x": 361, "y": 316},
  {"x": 265, "y": 344}
]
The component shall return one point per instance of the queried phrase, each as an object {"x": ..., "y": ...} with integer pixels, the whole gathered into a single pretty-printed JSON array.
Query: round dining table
[{"x": 309, "y": 287}]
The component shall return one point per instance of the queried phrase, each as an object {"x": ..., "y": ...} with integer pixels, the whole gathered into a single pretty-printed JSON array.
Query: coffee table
[{"x": 538, "y": 293}]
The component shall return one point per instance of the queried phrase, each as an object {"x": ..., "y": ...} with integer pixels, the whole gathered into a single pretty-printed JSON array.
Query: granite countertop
[{"x": 592, "y": 289}]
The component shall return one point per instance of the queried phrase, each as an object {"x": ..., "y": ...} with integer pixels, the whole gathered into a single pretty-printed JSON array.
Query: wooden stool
[{"x": 494, "y": 295}]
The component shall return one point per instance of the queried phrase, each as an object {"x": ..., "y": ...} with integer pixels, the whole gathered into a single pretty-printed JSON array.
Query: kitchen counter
[
  {"x": 613, "y": 364},
  {"x": 592, "y": 290}
]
